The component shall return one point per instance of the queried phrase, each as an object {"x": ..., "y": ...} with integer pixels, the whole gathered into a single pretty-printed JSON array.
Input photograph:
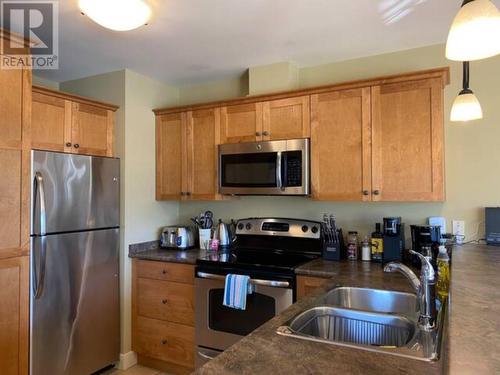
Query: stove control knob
[
  {"x": 314, "y": 230},
  {"x": 305, "y": 228},
  {"x": 248, "y": 226},
  {"x": 240, "y": 226}
]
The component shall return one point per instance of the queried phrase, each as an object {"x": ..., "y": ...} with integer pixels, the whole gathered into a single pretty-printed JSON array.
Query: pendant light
[
  {"x": 118, "y": 15},
  {"x": 466, "y": 107},
  {"x": 475, "y": 32}
]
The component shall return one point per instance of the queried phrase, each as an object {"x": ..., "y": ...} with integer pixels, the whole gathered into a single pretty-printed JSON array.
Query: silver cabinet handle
[
  {"x": 273, "y": 283},
  {"x": 39, "y": 197}
]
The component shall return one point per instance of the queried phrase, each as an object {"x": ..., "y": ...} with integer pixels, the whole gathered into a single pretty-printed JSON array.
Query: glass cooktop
[{"x": 256, "y": 258}]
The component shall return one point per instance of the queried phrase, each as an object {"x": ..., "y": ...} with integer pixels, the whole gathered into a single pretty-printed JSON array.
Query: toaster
[{"x": 177, "y": 237}]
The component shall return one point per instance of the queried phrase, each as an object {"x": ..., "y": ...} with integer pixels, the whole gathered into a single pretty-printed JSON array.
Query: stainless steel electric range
[{"x": 266, "y": 249}]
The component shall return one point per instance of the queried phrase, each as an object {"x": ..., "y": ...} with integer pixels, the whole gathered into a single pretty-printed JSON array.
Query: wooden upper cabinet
[
  {"x": 286, "y": 118},
  {"x": 68, "y": 123},
  {"x": 241, "y": 123},
  {"x": 186, "y": 155},
  {"x": 14, "y": 315},
  {"x": 92, "y": 130},
  {"x": 378, "y": 139},
  {"x": 11, "y": 107},
  {"x": 171, "y": 165},
  {"x": 51, "y": 122},
  {"x": 203, "y": 137},
  {"x": 340, "y": 145},
  {"x": 14, "y": 202},
  {"x": 408, "y": 141}
]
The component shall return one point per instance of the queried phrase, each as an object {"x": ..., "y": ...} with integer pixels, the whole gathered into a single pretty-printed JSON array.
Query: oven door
[{"x": 218, "y": 326}]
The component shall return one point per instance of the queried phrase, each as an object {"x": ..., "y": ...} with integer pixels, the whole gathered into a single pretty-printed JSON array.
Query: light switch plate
[{"x": 458, "y": 230}]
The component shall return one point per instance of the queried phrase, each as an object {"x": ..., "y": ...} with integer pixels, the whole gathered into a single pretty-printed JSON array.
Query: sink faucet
[{"x": 424, "y": 288}]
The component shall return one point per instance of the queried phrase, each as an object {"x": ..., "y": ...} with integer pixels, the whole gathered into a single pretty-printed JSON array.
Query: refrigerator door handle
[{"x": 39, "y": 197}]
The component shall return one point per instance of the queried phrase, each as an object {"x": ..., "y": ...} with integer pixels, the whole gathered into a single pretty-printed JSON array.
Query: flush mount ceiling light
[
  {"x": 118, "y": 15},
  {"x": 466, "y": 107},
  {"x": 475, "y": 32}
]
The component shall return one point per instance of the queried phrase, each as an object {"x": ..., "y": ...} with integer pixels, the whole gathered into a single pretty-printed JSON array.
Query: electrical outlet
[{"x": 458, "y": 230}]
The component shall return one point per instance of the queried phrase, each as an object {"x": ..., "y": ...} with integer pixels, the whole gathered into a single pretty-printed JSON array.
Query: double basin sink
[{"x": 370, "y": 319}]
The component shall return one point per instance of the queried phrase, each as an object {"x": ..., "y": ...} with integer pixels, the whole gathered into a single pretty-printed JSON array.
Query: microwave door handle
[{"x": 279, "y": 182}]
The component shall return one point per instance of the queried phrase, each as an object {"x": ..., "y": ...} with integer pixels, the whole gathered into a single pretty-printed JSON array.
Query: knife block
[{"x": 334, "y": 250}]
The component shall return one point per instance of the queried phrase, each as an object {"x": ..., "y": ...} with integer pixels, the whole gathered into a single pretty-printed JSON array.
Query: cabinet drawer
[
  {"x": 166, "y": 341},
  {"x": 166, "y": 300},
  {"x": 182, "y": 273}
]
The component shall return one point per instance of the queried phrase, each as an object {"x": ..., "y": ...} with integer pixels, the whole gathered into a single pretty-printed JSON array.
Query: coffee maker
[
  {"x": 394, "y": 239},
  {"x": 422, "y": 237}
]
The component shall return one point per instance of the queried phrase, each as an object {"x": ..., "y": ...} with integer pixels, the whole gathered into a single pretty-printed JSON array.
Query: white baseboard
[{"x": 127, "y": 360}]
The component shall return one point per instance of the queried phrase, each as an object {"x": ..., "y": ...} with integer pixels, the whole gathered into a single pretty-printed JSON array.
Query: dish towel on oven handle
[{"x": 236, "y": 290}]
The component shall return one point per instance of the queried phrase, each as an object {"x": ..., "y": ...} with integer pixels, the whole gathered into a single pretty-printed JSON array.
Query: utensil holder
[
  {"x": 334, "y": 249},
  {"x": 205, "y": 235}
]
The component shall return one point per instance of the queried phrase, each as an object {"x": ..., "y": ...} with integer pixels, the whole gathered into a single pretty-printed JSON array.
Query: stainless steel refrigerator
[{"x": 74, "y": 309}]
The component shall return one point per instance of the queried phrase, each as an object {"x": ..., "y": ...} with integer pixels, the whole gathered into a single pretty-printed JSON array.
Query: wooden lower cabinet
[
  {"x": 14, "y": 315},
  {"x": 163, "y": 315},
  {"x": 166, "y": 300},
  {"x": 166, "y": 341},
  {"x": 307, "y": 284}
]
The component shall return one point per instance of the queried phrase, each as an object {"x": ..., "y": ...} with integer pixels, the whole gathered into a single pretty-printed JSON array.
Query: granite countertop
[
  {"x": 265, "y": 352},
  {"x": 474, "y": 319},
  {"x": 152, "y": 251},
  {"x": 472, "y": 337}
]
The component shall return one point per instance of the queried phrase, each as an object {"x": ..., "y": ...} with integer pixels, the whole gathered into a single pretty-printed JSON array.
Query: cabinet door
[
  {"x": 306, "y": 285},
  {"x": 92, "y": 130},
  {"x": 50, "y": 123},
  {"x": 203, "y": 137},
  {"x": 11, "y": 107},
  {"x": 407, "y": 123},
  {"x": 171, "y": 165},
  {"x": 241, "y": 123},
  {"x": 340, "y": 145},
  {"x": 286, "y": 118},
  {"x": 14, "y": 316},
  {"x": 14, "y": 202}
]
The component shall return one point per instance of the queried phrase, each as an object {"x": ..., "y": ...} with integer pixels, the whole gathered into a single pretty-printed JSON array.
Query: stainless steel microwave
[{"x": 265, "y": 168}]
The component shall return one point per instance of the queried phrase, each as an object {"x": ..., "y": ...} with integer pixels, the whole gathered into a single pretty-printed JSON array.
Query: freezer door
[
  {"x": 79, "y": 192},
  {"x": 75, "y": 316}
]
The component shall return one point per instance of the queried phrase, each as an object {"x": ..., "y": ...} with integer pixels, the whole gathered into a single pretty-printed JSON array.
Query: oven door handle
[
  {"x": 205, "y": 356},
  {"x": 271, "y": 283}
]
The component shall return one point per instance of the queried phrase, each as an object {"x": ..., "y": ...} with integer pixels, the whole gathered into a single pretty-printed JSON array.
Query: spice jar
[{"x": 352, "y": 245}]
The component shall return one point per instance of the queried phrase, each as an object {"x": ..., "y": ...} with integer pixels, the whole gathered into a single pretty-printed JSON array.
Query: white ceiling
[{"x": 198, "y": 40}]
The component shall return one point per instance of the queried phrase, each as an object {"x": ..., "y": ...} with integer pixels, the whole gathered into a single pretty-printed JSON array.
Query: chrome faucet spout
[
  {"x": 425, "y": 289},
  {"x": 410, "y": 275}
]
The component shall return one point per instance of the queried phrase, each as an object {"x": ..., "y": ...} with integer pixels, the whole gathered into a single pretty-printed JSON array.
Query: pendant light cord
[{"x": 465, "y": 84}]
